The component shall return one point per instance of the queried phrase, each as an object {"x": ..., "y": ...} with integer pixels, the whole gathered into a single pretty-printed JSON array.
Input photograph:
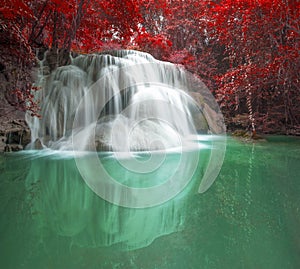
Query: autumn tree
[
  {"x": 247, "y": 52},
  {"x": 261, "y": 40},
  {"x": 29, "y": 27},
  {"x": 187, "y": 28},
  {"x": 17, "y": 56},
  {"x": 150, "y": 36}
]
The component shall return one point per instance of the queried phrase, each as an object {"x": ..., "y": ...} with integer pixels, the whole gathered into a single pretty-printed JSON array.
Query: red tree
[
  {"x": 187, "y": 28},
  {"x": 253, "y": 46},
  {"x": 261, "y": 40}
]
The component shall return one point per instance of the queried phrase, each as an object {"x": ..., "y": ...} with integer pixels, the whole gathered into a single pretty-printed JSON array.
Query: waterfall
[
  {"x": 137, "y": 109},
  {"x": 120, "y": 101},
  {"x": 142, "y": 135}
]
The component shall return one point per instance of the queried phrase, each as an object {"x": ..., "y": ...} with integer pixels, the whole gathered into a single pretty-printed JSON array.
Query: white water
[
  {"x": 156, "y": 145},
  {"x": 126, "y": 101}
]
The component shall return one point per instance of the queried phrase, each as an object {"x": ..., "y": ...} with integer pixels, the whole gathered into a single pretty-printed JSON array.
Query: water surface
[{"x": 249, "y": 218}]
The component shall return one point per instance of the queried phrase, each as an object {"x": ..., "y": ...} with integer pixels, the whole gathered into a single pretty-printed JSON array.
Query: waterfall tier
[{"x": 121, "y": 101}]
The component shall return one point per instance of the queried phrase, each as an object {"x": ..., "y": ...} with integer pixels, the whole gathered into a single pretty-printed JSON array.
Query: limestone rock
[
  {"x": 2, "y": 143},
  {"x": 12, "y": 147},
  {"x": 13, "y": 132},
  {"x": 38, "y": 144}
]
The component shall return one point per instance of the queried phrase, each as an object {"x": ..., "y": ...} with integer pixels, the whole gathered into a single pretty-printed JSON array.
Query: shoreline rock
[{"x": 15, "y": 134}]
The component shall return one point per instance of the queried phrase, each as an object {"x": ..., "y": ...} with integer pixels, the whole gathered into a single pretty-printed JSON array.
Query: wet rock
[
  {"x": 2, "y": 143},
  {"x": 25, "y": 137},
  {"x": 37, "y": 144},
  {"x": 3, "y": 139},
  {"x": 247, "y": 136},
  {"x": 19, "y": 133},
  {"x": 55, "y": 58},
  {"x": 14, "y": 132},
  {"x": 102, "y": 146},
  {"x": 2, "y": 147},
  {"x": 240, "y": 133},
  {"x": 12, "y": 147},
  {"x": 16, "y": 147},
  {"x": 7, "y": 148}
]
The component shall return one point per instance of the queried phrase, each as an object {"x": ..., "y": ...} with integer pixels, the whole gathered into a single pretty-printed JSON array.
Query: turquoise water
[{"x": 249, "y": 218}]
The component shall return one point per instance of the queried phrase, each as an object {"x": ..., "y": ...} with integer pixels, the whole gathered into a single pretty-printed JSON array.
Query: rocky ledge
[{"x": 14, "y": 132}]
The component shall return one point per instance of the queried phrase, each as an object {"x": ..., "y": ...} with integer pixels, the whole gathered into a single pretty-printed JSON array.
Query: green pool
[{"x": 249, "y": 218}]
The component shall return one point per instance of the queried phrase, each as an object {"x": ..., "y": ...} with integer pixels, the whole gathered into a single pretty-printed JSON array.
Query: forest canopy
[{"x": 246, "y": 51}]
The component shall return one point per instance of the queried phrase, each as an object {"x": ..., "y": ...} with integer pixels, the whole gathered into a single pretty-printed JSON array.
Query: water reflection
[
  {"x": 64, "y": 205},
  {"x": 249, "y": 218}
]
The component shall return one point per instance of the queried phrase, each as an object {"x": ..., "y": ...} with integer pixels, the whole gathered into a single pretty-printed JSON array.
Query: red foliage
[
  {"x": 26, "y": 101},
  {"x": 187, "y": 28},
  {"x": 14, "y": 9},
  {"x": 249, "y": 48},
  {"x": 261, "y": 40}
]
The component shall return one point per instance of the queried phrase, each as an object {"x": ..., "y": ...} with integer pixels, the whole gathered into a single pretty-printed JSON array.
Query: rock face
[
  {"x": 13, "y": 128},
  {"x": 14, "y": 135},
  {"x": 14, "y": 132},
  {"x": 2, "y": 143}
]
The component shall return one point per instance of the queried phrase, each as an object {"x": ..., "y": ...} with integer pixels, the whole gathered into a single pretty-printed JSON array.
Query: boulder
[
  {"x": 38, "y": 144},
  {"x": 13, "y": 147},
  {"x": 14, "y": 134}
]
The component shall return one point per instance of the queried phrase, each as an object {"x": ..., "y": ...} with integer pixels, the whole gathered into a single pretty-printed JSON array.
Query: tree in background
[
  {"x": 17, "y": 56},
  {"x": 187, "y": 28},
  {"x": 261, "y": 41},
  {"x": 246, "y": 51},
  {"x": 29, "y": 27}
]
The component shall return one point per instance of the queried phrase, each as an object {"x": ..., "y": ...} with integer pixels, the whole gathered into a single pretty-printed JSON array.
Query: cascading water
[
  {"x": 138, "y": 132},
  {"x": 126, "y": 100}
]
